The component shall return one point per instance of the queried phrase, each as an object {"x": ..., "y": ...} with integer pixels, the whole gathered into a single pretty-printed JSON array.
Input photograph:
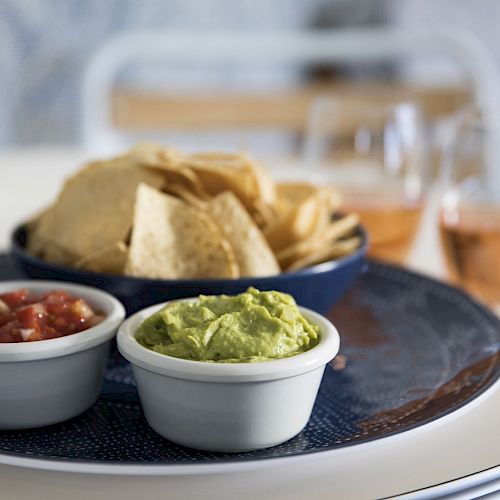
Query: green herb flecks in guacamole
[{"x": 252, "y": 326}]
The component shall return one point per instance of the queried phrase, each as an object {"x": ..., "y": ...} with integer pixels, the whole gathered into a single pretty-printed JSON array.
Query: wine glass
[
  {"x": 469, "y": 218},
  {"x": 374, "y": 152}
]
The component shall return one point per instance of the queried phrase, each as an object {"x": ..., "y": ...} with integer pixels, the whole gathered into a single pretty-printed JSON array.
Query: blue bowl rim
[{"x": 19, "y": 251}]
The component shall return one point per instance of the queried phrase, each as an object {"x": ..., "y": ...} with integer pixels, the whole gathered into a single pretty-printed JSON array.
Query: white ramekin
[
  {"x": 227, "y": 407},
  {"x": 48, "y": 381}
]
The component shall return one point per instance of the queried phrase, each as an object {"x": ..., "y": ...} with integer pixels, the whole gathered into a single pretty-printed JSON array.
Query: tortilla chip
[
  {"x": 253, "y": 254},
  {"x": 34, "y": 243},
  {"x": 171, "y": 240},
  {"x": 109, "y": 260},
  {"x": 295, "y": 192},
  {"x": 154, "y": 153},
  {"x": 334, "y": 230},
  {"x": 264, "y": 213},
  {"x": 298, "y": 223},
  {"x": 51, "y": 252},
  {"x": 217, "y": 177},
  {"x": 238, "y": 173},
  {"x": 185, "y": 194},
  {"x": 31, "y": 224},
  {"x": 329, "y": 251},
  {"x": 95, "y": 208},
  {"x": 264, "y": 180},
  {"x": 292, "y": 193},
  {"x": 170, "y": 163}
]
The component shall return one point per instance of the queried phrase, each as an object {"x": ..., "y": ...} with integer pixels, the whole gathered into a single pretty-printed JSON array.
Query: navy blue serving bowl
[{"x": 317, "y": 287}]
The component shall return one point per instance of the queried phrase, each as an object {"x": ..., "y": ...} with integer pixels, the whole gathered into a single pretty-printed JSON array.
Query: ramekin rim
[{"x": 140, "y": 356}]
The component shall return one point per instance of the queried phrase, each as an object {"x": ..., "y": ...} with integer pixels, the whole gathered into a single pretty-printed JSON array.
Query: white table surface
[{"x": 462, "y": 444}]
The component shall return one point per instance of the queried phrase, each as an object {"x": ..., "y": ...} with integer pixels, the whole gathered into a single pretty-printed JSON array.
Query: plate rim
[
  {"x": 221, "y": 467},
  {"x": 456, "y": 485}
]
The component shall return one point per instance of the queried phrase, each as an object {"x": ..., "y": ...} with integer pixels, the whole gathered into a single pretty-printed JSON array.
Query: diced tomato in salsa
[
  {"x": 25, "y": 317},
  {"x": 15, "y": 299}
]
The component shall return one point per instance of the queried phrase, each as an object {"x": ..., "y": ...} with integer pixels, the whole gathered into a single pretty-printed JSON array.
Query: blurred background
[
  {"x": 76, "y": 82},
  {"x": 46, "y": 45}
]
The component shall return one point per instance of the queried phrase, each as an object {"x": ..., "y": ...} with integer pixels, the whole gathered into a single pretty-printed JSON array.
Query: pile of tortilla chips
[{"x": 157, "y": 213}]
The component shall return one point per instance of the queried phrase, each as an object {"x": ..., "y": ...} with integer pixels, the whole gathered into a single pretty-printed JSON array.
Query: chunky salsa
[{"x": 27, "y": 317}]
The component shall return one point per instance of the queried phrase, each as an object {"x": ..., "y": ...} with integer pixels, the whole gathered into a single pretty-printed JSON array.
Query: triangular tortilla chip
[
  {"x": 171, "y": 240},
  {"x": 251, "y": 249},
  {"x": 110, "y": 260},
  {"x": 95, "y": 208}
]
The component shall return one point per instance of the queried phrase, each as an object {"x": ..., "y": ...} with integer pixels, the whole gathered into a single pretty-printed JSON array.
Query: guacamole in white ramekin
[{"x": 249, "y": 327}]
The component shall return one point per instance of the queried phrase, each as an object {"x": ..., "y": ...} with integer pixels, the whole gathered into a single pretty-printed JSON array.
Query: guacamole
[{"x": 252, "y": 326}]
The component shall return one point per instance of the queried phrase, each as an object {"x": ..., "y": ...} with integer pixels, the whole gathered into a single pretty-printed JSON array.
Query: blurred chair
[{"x": 112, "y": 120}]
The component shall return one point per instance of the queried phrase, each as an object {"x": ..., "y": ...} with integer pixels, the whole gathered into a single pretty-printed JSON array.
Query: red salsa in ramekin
[{"x": 28, "y": 317}]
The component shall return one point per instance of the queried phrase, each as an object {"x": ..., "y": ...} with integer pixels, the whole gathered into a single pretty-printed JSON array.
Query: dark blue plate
[{"x": 412, "y": 351}]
